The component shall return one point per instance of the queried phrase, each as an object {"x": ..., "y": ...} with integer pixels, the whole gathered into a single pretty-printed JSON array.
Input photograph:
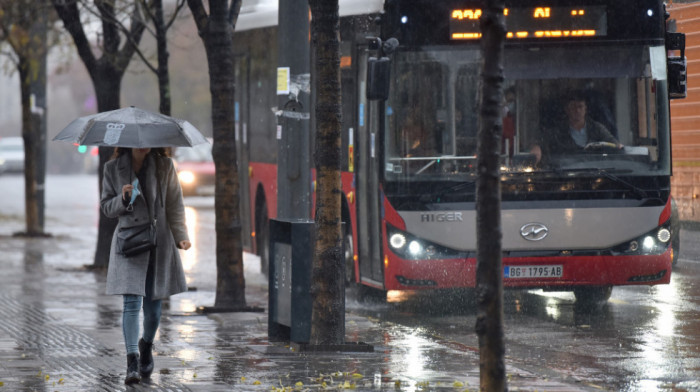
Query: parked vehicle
[
  {"x": 195, "y": 168},
  {"x": 11, "y": 155}
]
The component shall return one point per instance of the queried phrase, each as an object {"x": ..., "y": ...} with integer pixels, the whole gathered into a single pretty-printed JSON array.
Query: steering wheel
[{"x": 601, "y": 146}]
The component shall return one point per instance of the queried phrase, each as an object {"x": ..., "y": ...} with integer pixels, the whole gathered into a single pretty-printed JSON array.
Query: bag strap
[{"x": 158, "y": 185}]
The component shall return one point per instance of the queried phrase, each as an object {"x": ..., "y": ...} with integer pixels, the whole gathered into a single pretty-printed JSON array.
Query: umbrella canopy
[{"x": 131, "y": 127}]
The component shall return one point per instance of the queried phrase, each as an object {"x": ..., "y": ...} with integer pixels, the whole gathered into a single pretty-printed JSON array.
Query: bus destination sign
[{"x": 535, "y": 22}]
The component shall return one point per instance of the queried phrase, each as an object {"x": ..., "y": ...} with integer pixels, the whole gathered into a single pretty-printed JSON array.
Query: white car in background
[
  {"x": 196, "y": 170},
  {"x": 11, "y": 155}
]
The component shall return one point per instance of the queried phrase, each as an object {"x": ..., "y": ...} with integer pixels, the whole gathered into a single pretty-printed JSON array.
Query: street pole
[
  {"x": 489, "y": 271},
  {"x": 293, "y": 90}
]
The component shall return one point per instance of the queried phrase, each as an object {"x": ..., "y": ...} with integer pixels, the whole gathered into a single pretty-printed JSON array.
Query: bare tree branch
[
  {"x": 233, "y": 12},
  {"x": 70, "y": 15},
  {"x": 178, "y": 8},
  {"x": 201, "y": 19},
  {"x": 128, "y": 33}
]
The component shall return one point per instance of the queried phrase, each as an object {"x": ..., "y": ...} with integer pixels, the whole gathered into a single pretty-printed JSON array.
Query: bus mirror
[
  {"x": 378, "y": 77},
  {"x": 389, "y": 46},
  {"x": 677, "y": 82},
  {"x": 677, "y": 66}
]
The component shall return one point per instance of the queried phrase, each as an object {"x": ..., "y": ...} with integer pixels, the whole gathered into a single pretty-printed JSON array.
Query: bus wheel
[
  {"x": 349, "y": 254},
  {"x": 593, "y": 295},
  {"x": 263, "y": 241},
  {"x": 370, "y": 295}
]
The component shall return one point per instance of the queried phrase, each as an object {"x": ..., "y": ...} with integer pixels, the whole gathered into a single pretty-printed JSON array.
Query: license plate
[{"x": 533, "y": 271}]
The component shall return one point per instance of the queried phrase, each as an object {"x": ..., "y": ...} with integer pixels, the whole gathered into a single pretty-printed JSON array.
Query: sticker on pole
[{"x": 282, "y": 80}]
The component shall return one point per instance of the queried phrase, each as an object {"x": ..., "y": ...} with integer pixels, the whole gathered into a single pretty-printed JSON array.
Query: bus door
[
  {"x": 242, "y": 114},
  {"x": 368, "y": 205}
]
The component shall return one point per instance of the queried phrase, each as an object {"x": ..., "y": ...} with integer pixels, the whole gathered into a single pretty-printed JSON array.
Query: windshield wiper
[
  {"x": 635, "y": 189},
  {"x": 603, "y": 172},
  {"x": 453, "y": 188}
]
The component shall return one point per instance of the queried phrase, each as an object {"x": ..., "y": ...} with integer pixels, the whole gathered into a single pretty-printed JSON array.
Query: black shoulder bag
[{"x": 135, "y": 240}]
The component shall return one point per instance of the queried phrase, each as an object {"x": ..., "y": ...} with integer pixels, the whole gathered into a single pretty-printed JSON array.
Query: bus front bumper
[{"x": 532, "y": 272}]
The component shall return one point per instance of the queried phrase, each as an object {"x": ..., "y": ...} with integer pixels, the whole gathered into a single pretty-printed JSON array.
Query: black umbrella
[{"x": 131, "y": 127}]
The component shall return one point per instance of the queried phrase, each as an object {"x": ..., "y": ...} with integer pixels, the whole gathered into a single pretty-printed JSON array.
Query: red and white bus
[{"x": 581, "y": 221}]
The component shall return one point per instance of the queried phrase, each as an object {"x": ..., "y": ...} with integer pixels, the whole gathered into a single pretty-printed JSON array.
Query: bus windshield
[{"x": 565, "y": 109}]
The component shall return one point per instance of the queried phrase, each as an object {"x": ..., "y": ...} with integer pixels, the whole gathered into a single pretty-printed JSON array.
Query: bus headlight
[
  {"x": 653, "y": 242},
  {"x": 397, "y": 240},
  {"x": 664, "y": 235},
  {"x": 648, "y": 243},
  {"x": 415, "y": 248},
  {"x": 410, "y": 247}
]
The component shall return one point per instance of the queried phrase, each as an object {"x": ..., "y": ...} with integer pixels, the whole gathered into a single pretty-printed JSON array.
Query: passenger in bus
[{"x": 574, "y": 135}]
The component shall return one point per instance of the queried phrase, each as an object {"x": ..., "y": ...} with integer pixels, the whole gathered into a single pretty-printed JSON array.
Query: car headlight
[{"x": 186, "y": 177}]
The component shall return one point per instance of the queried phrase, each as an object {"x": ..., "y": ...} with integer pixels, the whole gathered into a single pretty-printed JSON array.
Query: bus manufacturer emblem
[{"x": 534, "y": 231}]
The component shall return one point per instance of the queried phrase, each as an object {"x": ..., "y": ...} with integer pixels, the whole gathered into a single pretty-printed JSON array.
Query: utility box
[{"x": 292, "y": 244}]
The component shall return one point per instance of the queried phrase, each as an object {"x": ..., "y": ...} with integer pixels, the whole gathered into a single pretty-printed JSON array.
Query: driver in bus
[
  {"x": 416, "y": 141},
  {"x": 580, "y": 132}
]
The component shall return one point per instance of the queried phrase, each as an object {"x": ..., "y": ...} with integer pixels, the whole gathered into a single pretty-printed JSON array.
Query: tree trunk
[
  {"x": 217, "y": 34},
  {"x": 108, "y": 92},
  {"x": 162, "y": 42},
  {"x": 32, "y": 71},
  {"x": 489, "y": 272},
  {"x": 327, "y": 283},
  {"x": 31, "y": 134}
]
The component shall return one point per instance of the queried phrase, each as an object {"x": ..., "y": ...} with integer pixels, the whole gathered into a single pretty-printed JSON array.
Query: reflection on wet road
[{"x": 643, "y": 339}]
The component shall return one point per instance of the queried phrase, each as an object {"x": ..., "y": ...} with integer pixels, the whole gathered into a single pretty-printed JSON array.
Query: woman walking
[{"x": 144, "y": 279}]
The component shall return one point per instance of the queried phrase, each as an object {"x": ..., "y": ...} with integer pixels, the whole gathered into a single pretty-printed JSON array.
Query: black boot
[
  {"x": 146, "y": 361},
  {"x": 132, "y": 369}
]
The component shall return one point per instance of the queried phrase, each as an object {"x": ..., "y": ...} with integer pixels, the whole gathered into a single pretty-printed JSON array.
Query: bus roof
[{"x": 263, "y": 13}]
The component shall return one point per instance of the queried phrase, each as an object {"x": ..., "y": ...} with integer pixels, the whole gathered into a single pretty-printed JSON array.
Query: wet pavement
[{"x": 60, "y": 332}]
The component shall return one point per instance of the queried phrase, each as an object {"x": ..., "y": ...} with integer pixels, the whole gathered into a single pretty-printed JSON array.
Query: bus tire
[
  {"x": 593, "y": 295},
  {"x": 371, "y": 295},
  {"x": 263, "y": 240}
]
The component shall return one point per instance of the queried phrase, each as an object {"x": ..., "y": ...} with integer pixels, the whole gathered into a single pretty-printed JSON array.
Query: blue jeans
[{"x": 130, "y": 317}]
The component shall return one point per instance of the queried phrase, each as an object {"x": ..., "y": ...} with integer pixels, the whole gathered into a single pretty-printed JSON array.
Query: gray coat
[{"x": 127, "y": 275}]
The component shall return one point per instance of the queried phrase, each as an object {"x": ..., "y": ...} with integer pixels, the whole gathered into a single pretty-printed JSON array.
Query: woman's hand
[
  {"x": 184, "y": 244},
  {"x": 126, "y": 191}
]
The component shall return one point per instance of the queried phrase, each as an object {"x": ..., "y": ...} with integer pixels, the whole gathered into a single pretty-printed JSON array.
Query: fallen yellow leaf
[
  {"x": 357, "y": 375},
  {"x": 458, "y": 384},
  {"x": 256, "y": 382}
]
